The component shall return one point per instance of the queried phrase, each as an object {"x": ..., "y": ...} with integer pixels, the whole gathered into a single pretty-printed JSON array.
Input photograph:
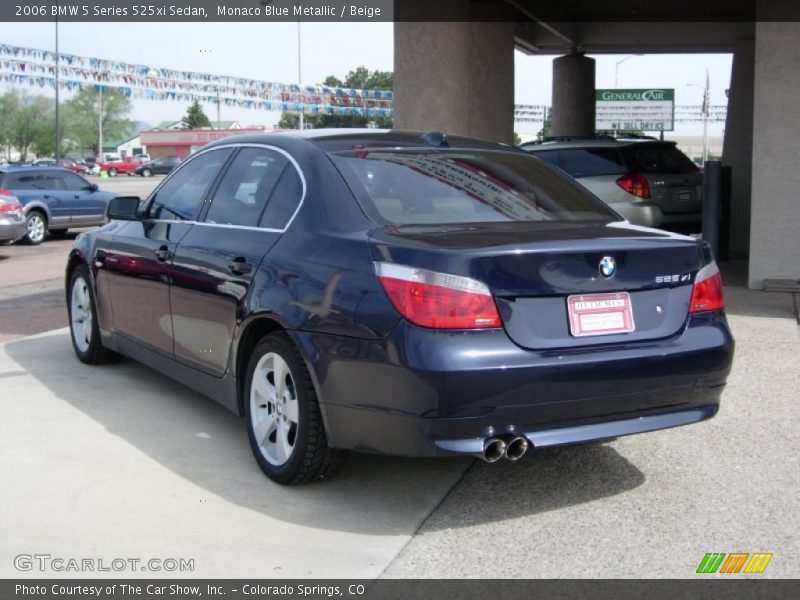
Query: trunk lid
[{"x": 533, "y": 268}]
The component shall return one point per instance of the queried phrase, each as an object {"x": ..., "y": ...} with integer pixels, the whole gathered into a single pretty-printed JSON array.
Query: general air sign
[{"x": 635, "y": 110}]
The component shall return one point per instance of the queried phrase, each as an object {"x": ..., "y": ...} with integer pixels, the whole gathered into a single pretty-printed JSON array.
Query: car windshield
[
  {"x": 658, "y": 158},
  {"x": 409, "y": 187}
]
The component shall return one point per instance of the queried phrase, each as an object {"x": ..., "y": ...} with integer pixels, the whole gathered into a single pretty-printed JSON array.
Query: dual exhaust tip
[{"x": 495, "y": 448}]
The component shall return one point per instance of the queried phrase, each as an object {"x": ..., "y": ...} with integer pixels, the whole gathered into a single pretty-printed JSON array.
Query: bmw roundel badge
[{"x": 607, "y": 267}]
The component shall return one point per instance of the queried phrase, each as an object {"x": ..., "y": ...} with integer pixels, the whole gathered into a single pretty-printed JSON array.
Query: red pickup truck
[{"x": 127, "y": 165}]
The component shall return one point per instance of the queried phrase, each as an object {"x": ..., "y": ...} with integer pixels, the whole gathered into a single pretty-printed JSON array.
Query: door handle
[
  {"x": 163, "y": 254},
  {"x": 240, "y": 266}
]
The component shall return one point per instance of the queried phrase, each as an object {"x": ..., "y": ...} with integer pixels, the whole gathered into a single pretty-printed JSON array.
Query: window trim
[{"x": 218, "y": 179}]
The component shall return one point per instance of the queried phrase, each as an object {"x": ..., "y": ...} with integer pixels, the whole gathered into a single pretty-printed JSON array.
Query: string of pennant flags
[{"x": 38, "y": 68}]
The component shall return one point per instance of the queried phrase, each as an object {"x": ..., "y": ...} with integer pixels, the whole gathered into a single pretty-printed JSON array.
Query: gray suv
[{"x": 647, "y": 181}]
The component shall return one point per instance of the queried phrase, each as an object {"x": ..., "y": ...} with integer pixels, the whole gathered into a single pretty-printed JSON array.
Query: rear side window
[
  {"x": 591, "y": 162},
  {"x": 658, "y": 158},
  {"x": 180, "y": 196},
  {"x": 35, "y": 180},
  {"x": 284, "y": 200},
  {"x": 407, "y": 187},
  {"x": 246, "y": 187}
]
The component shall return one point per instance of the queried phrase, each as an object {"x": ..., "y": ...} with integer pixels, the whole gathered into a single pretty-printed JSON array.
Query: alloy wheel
[
  {"x": 36, "y": 228},
  {"x": 274, "y": 409},
  {"x": 81, "y": 314}
]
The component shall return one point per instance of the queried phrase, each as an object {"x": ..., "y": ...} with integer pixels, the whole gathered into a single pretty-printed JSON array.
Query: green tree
[
  {"x": 361, "y": 78},
  {"x": 517, "y": 139},
  {"x": 94, "y": 115},
  {"x": 547, "y": 128},
  {"x": 28, "y": 121},
  {"x": 195, "y": 117},
  {"x": 9, "y": 106}
]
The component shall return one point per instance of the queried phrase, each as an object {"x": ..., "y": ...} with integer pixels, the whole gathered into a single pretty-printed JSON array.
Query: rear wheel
[
  {"x": 84, "y": 331},
  {"x": 284, "y": 423},
  {"x": 146, "y": 173},
  {"x": 36, "y": 226}
]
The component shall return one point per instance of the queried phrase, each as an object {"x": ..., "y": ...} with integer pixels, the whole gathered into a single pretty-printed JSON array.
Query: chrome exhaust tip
[
  {"x": 516, "y": 448},
  {"x": 493, "y": 449}
]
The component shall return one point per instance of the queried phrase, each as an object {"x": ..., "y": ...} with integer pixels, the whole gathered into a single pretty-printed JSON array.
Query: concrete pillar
[
  {"x": 737, "y": 151},
  {"x": 573, "y": 110},
  {"x": 456, "y": 77},
  {"x": 775, "y": 209}
]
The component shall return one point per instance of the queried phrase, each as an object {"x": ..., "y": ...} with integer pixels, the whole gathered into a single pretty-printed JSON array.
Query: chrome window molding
[{"x": 288, "y": 156}]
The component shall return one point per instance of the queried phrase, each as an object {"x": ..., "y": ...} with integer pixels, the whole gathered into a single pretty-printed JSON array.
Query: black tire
[
  {"x": 147, "y": 173},
  {"x": 36, "y": 226},
  {"x": 112, "y": 172},
  {"x": 94, "y": 353},
  {"x": 310, "y": 459}
]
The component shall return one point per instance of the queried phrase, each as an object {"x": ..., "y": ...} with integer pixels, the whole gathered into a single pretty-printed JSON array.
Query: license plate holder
[
  {"x": 685, "y": 194},
  {"x": 600, "y": 314}
]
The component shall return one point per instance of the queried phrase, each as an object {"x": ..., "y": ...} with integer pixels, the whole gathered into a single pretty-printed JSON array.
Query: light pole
[
  {"x": 300, "y": 73},
  {"x": 58, "y": 150},
  {"x": 616, "y": 68},
  {"x": 705, "y": 109}
]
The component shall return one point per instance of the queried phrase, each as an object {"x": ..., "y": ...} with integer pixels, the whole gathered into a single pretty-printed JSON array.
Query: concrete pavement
[{"x": 118, "y": 461}]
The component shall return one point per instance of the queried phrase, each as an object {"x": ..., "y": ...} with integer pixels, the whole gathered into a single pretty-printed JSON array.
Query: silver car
[
  {"x": 12, "y": 218},
  {"x": 647, "y": 181}
]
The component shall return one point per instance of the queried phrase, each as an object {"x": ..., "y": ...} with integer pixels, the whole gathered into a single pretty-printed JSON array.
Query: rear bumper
[
  {"x": 650, "y": 214},
  {"x": 11, "y": 230},
  {"x": 428, "y": 393}
]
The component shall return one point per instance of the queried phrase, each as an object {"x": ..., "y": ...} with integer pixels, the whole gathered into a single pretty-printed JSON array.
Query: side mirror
[
  {"x": 124, "y": 208},
  {"x": 94, "y": 187}
]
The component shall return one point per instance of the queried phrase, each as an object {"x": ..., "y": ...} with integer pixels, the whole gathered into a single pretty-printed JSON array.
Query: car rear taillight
[
  {"x": 636, "y": 184},
  {"x": 707, "y": 291},
  {"x": 9, "y": 205},
  {"x": 438, "y": 300}
]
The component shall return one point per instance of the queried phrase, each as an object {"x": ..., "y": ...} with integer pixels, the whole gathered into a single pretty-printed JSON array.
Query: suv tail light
[
  {"x": 438, "y": 300},
  {"x": 636, "y": 184},
  {"x": 707, "y": 290}
]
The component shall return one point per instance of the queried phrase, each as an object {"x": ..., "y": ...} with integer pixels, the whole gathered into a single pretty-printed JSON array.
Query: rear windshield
[
  {"x": 410, "y": 187},
  {"x": 658, "y": 158}
]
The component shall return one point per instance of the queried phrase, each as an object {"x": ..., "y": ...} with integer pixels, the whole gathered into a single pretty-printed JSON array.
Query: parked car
[
  {"x": 649, "y": 182},
  {"x": 399, "y": 293},
  {"x": 160, "y": 166},
  {"x": 12, "y": 218},
  {"x": 66, "y": 163},
  {"x": 54, "y": 200},
  {"x": 126, "y": 165}
]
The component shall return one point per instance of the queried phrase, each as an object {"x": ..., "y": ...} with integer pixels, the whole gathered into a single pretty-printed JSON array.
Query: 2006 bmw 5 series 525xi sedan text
[{"x": 401, "y": 293}]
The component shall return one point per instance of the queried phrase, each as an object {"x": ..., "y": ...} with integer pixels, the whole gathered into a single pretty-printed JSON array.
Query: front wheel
[
  {"x": 84, "y": 330},
  {"x": 284, "y": 423},
  {"x": 112, "y": 172}
]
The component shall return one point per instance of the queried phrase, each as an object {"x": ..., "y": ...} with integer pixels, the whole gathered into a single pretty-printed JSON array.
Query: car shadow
[{"x": 204, "y": 444}]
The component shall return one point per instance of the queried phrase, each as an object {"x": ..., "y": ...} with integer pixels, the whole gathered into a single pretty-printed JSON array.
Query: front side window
[
  {"x": 406, "y": 187},
  {"x": 181, "y": 195},
  {"x": 246, "y": 187},
  {"x": 75, "y": 183}
]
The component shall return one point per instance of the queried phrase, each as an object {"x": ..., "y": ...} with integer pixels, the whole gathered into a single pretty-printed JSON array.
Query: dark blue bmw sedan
[{"x": 401, "y": 293}]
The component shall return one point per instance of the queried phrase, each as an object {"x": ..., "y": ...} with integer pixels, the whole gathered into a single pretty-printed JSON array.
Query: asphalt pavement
[{"x": 120, "y": 461}]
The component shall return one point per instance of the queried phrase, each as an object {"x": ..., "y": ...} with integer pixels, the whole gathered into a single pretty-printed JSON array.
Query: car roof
[
  {"x": 595, "y": 142},
  {"x": 30, "y": 167},
  {"x": 345, "y": 139}
]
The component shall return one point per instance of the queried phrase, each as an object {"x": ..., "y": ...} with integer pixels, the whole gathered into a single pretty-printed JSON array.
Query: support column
[
  {"x": 573, "y": 113},
  {"x": 775, "y": 214},
  {"x": 737, "y": 151},
  {"x": 456, "y": 77}
]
